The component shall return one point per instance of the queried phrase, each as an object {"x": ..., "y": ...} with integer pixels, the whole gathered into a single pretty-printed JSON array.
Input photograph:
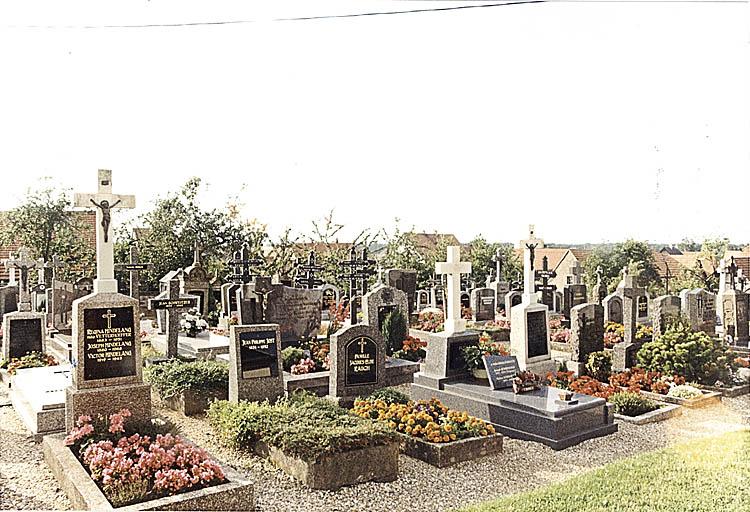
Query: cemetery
[
  {"x": 381, "y": 256},
  {"x": 291, "y": 371}
]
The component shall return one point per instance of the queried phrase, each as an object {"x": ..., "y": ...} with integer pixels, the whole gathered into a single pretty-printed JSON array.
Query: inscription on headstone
[
  {"x": 109, "y": 340},
  {"x": 258, "y": 354},
  {"x": 361, "y": 361},
  {"x": 26, "y": 337},
  {"x": 501, "y": 370}
]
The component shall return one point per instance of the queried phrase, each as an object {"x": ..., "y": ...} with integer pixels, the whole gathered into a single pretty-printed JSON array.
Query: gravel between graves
[{"x": 26, "y": 483}]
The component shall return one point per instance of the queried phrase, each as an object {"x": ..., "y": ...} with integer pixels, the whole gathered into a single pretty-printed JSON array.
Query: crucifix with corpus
[
  {"x": 452, "y": 269},
  {"x": 104, "y": 201},
  {"x": 23, "y": 263},
  {"x": 529, "y": 247}
]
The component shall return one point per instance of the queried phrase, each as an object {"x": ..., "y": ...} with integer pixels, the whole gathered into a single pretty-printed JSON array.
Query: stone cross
[
  {"x": 722, "y": 270},
  {"x": 630, "y": 294},
  {"x": 134, "y": 267},
  {"x": 11, "y": 270},
  {"x": 105, "y": 201},
  {"x": 732, "y": 270},
  {"x": 453, "y": 268},
  {"x": 599, "y": 274},
  {"x": 23, "y": 263},
  {"x": 498, "y": 259},
  {"x": 529, "y": 246},
  {"x": 577, "y": 271},
  {"x": 175, "y": 305}
]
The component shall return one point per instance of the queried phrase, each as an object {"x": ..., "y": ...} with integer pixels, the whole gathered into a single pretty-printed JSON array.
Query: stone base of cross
[{"x": 453, "y": 268}]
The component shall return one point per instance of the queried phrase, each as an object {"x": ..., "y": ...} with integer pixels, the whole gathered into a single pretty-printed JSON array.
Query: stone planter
[
  {"x": 664, "y": 412},
  {"x": 740, "y": 389},
  {"x": 334, "y": 470},
  {"x": 192, "y": 401},
  {"x": 84, "y": 494},
  {"x": 708, "y": 398},
  {"x": 447, "y": 454}
]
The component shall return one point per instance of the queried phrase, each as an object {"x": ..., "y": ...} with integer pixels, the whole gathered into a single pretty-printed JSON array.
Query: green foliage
[
  {"x": 693, "y": 355},
  {"x": 482, "y": 254},
  {"x": 395, "y": 330},
  {"x": 291, "y": 356},
  {"x": 46, "y": 224},
  {"x": 176, "y": 223},
  {"x": 302, "y": 426},
  {"x": 389, "y": 396},
  {"x": 631, "y": 404},
  {"x": 635, "y": 255},
  {"x": 173, "y": 377},
  {"x": 684, "y": 391},
  {"x": 599, "y": 365},
  {"x": 702, "y": 475}
]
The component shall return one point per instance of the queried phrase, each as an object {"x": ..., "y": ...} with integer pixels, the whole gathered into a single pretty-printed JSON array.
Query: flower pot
[
  {"x": 479, "y": 373},
  {"x": 565, "y": 396}
]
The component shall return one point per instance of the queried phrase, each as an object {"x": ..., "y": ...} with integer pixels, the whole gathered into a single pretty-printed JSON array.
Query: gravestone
[
  {"x": 575, "y": 293},
  {"x": 377, "y": 304},
  {"x": 500, "y": 287},
  {"x": 512, "y": 298},
  {"x": 483, "y": 304},
  {"x": 134, "y": 268},
  {"x": 330, "y": 299},
  {"x": 699, "y": 307},
  {"x": 61, "y": 298},
  {"x": 83, "y": 286},
  {"x": 624, "y": 353},
  {"x": 24, "y": 329},
  {"x": 296, "y": 310},
  {"x": 357, "y": 363},
  {"x": 529, "y": 325},
  {"x": 586, "y": 335},
  {"x": 255, "y": 367},
  {"x": 465, "y": 300},
  {"x": 173, "y": 303},
  {"x": 612, "y": 308},
  {"x": 599, "y": 292},
  {"x": 196, "y": 282},
  {"x": 735, "y": 317},
  {"x": 9, "y": 292},
  {"x": 665, "y": 310},
  {"x": 106, "y": 332},
  {"x": 643, "y": 309},
  {"x": 501, "y": 370},
  {"x": 423, "y": 300},
  {"x": 406, "y": 281}
]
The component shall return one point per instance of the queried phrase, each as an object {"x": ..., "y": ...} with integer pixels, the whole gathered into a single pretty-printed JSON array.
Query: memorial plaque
[
  {"x": 258, "y": 354},
  {"x": 132, "y": 267},
  {"x": 26, "y": 337},
  {"x": 201, "y": 298},
  {"x": 501, "y": 370},
  {"x": 361, "y": 362},
  {"x": 536, "y": 333},
  {"x": 108, "y": 343},
  {"x": 182, "y": 302},
  {"x": 329, "y": 299},
  {"x": 642, "y": 306}
]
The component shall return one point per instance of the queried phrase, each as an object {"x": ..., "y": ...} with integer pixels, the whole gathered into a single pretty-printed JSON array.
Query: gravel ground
[{"x": 26, "y": 483}]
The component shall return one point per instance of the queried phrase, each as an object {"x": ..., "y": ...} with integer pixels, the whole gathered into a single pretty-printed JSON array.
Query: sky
[{"x": 595, "y": 121}]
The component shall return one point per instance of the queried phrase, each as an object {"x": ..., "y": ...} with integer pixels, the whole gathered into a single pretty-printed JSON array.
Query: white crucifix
[
  {"x": 108, "y": 316},
  {"x": 104, "y": 201},
  {"x": 529, "y": 246},
  {"x": 453, "y": 268}
]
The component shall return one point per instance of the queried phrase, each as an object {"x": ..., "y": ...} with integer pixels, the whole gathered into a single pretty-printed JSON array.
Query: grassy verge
[{"x": 703, "y": 475}]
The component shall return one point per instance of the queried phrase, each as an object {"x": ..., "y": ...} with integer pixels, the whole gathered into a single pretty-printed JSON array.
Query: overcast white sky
[{"x": 595, "y": 121}]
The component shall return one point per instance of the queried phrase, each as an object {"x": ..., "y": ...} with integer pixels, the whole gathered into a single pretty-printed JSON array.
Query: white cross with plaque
[
  {"x": 453, "y": 268},
  {"x": 104, "y": 201},
  {"x": 529, "y": 246}
]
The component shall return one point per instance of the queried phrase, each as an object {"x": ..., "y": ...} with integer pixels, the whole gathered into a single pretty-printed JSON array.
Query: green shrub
[
  {"x": 632, "y": 404},
  {"x": 395, "y": 329},
  {"x": 291, "y": 356},
  {"x": 389, "y": 396},
  {"x": 693, "y": 355},
  {"x": 302, "y": 425},
  {"x": 599, "y": 365},
  {"x": 684, "y": 391},
  {"x": 173, "y": 377}
]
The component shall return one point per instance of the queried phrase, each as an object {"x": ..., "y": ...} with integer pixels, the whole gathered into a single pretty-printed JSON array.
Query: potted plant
[
  {"x": 473, "y": 354},
  {"x": 192, "y": 323},
  {"x": 526, "y": 381}
]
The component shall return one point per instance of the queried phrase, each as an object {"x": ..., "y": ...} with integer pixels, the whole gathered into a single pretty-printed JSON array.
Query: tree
[
  {"x": 177, "y": 222},
  {"x": 703, "y": 274},
  {"x": 688, "y": 245},
  {"x": 47, "y": 226},
  {"x": 482, "y": 256},
  {"x": 635, "y": 255}
]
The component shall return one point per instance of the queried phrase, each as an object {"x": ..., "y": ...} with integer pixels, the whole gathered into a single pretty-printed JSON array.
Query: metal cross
[
  {"x": 244, "y": 265},
  {"x": 134, "y": 267},
  {"x": 305, "y": 277},
  {"x": 23, "y": 263}
]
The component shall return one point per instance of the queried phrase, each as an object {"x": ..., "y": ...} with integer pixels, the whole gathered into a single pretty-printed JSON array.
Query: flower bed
[
  {"x": 188, "y": 387},
  {"x": 131, "y": 463},
  {"x": 312, "y": 439},
  {"x": 431, "y": 432},
  {"x": 30, "y": 360},
  {"x": 429, "y": 321}
]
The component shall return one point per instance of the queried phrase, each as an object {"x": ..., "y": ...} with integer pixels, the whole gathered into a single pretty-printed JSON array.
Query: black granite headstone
[
  {"x": 258, "y": 354},
  {"x": 361, "y": 361},
  {"x": 109, "y": 339},
  {"x": 501, "y": 370},
  {"x": 536, "y": 332},
  {"x": 27, "y": 337}
]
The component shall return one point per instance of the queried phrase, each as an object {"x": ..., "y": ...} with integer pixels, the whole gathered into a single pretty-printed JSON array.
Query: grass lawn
[{"x": 710, "y": 474}]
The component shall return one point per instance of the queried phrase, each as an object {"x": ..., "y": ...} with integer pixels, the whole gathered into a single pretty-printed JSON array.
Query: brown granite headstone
[{"x": 255, "y": 369}]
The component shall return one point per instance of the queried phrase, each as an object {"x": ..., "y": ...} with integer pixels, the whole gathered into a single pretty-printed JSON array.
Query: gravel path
[{"x": 26, "y": 483}]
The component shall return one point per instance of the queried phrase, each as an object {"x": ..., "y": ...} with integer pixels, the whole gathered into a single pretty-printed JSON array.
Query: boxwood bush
[
  {"x": 632, "y": 404},
  {"x": 693, "y": 355},
  {"x": 174, "y": 376},
  {"x": 302, "y": 425}
]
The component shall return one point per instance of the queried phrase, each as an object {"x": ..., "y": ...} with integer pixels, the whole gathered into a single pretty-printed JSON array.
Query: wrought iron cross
[{"x": 306, "y": 277}]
